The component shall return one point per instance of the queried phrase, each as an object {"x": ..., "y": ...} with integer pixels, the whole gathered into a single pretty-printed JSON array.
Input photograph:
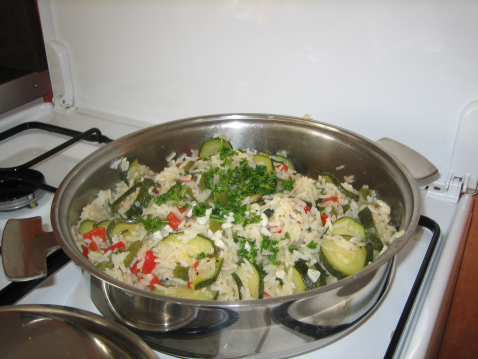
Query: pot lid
[{"x": 50, "y": 331}]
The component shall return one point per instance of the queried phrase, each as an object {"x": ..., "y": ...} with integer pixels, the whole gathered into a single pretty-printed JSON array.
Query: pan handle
[
  {"x": 24, "y": 249},
  {"x": 419, "y": 166}
]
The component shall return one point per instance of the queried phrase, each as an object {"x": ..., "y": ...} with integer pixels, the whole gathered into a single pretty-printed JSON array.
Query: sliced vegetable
[
  {"x": 346, "y": 226},
  {"x": 201, "y": 280},
  {"x": 133, "y": 250},
  {"x": 341, "y": 262},
  {"x": 133, "y": 167},
  {"x": 298, "y": 281},
  {"x": 322, "y": 281},
  {"x": 181, "y": 272},
  {"x": 97, "y": 232},
  {"x": 192, "y": 248},
  {"x": 149, "y": 262},
  {"x": 105, "y": 265},
  {"x": 254, "y": 281},
  {"x": 154, "y": 281},
  {"x": 142, "y": 200},
  {"x": 185, "y": 292},
  {"x": 117, "y": 245},
  {"x": 212, "y": 146},
  {"x": 329, "y": 177},
  {"x": 365, "y": 217},
  {"x": 302, "y": 267},
  {"x": 264, "y": 161},
  {"x": 86, "y": 226},
  {"x": 174, "y": 221},
  {"x": 283, "y": 160},
  {"x": 104, "y": 223},
  {"x": 120, "y": 225},
  {"x": 116, "y": 205}
]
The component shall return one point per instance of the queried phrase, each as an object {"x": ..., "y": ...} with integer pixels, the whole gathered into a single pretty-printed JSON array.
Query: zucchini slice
[
  {"x": 302, "y": 267},
  {"x": 86, "y": 226},
  {"x": 264, "y": 161},
  {"x": 185, "y": 292},
  {"x": 133, "y": 167},
  {"x": 115, "y": 206},
  {"x": 339, "y": 261},
  {"x": 133, "y": 250},
  {"x": 212, "y": 146},
  {"x": 298, "y": 281},
  {"x": 283, "y": 160},
  {"x": 142, "y": 200},
  {"x": 120, "y": 225},
  {"x": 365, "y": 217},
  {"x": 329, "y": 177},
  {"x": 181, "y": 272},
  {"x": 323, "y": 276},
  {"x": 254, "y": 282},
  {"x": 190, "y": 249},
  {"x": 104, "y": 223},
  {"x": 199, "y": 280},
  {"x": 347, "y": 226}
]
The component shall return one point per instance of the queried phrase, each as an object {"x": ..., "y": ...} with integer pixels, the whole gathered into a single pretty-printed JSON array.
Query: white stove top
[{"x": 370, "y": 340}]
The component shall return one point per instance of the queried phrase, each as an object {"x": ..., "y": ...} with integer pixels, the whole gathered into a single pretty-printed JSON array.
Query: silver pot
[{"x": 264, "y": 328}]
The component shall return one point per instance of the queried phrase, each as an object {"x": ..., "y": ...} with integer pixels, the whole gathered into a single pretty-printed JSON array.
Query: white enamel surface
[{"x": 400, "y": 69}]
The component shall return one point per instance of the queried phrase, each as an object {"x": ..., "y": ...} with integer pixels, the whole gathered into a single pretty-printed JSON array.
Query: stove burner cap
[{"x": 16, "y": 192}]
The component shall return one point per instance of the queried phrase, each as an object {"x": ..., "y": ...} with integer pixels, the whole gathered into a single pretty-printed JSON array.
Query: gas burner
[{"x": 20, "y": 189}]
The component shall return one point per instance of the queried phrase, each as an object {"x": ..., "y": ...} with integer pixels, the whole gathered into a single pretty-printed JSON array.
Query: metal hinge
[
  {"x": 463, "y": 174},
  {"x": 60, "y": 75}
]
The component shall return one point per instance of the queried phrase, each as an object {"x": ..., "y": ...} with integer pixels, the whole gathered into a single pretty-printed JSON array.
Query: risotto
[{"x": 231, "y": 224}]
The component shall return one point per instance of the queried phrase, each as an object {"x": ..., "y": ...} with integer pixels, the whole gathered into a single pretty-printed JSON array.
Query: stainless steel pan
[{"x": 265, "y": 328}]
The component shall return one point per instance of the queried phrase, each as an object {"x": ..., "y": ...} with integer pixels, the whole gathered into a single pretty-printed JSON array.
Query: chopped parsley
[
  {"x": 154, "y": 224},
  {"x": 288, "y": 184},
  {"x": 201, "y": 256},
  {"x": 199, "y": 210},
  {"x": 287, "y": 235},
  {"x": 312, "y": 245},
  {"x": 175, "y": 194},
  {"x": 293, "y": 248},
  {"x": 270, "y": 245},
  {"x": 250, "y": 254}
]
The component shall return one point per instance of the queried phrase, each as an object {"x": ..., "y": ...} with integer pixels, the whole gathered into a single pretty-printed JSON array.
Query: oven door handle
[{"x": 24, "y": 249}]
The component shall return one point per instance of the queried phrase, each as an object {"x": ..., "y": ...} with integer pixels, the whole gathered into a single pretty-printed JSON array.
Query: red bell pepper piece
[
  {"x": 114, "y": 246},
  {"x": 154, "y": 281},
  {"x": 93, "y": 246},
  {"x": 97, "y": 232},
  {"x": 284, "y": 168},
  {"x": 85, "y": 251},
  {"x": 333, "y": 199},
  {"x": 149, "y": 262},
  {"x": 195, "y": 265},
  {"x": 324, "y": 218},
  {"x": 174, "y": 221},
  {"x": 306, "y": 209},
  {"x": 134, "y": 268}
]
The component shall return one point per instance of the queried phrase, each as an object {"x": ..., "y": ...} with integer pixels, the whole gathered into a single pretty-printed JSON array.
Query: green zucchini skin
[
  {"x": 120, "y": 225},
  {"x": 142, "y": 200},
  {"x": 133, "y": 167},
  {"x": 133, "y": 250},
  {"x": 365, "y": 217},
  {"x": 198, "y": 282},
  {"x": 302, "y": 267},
  {"x": 341, "y": 263},
  {"x": 86, "y": 226},
  {"x": 350, "y": 227},
  {"x": 331, "y": 178},
  {"x": 323, "y": 276},
  {"x": 298, "y": 281},
  {"x": 254, "y": 283},
  {"x": 283, "y": 160},
  {"x": 115, "y": 206},
  {"x": 265, "y": 161},
  {"x": 211, "y": 146},
  {"x": 238, "y": 283}
]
